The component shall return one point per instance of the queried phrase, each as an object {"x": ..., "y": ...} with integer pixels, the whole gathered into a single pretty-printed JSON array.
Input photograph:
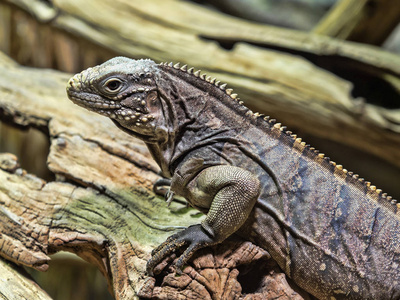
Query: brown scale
[{"x": 298, "y": 143}]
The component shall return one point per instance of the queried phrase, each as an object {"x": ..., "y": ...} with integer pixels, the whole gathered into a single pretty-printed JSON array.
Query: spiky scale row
[
  {"x": 273, "y": 123},
  {"x": 204, "y": 77},
  {"x": 249, "y": 113},
  {"x": 337, "y": 167},
  {"x": 280, "y": 127}
]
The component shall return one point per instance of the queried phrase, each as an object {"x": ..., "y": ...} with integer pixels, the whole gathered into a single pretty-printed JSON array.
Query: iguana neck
[
  {"x": 197, "y": 113},
  {"x": 158, "y": 155}
]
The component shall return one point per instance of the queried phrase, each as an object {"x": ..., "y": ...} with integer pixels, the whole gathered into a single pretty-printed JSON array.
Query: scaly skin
[{"x": 334, "y": 234}]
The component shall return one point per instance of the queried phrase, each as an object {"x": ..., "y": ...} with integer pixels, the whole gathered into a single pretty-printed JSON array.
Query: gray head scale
[{"x": 124, "y": 90}]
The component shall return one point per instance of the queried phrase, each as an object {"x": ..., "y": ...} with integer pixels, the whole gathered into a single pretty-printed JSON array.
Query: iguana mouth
[
  {"x": 109, "y": 108},
  {"x": 94, "y": 103}
]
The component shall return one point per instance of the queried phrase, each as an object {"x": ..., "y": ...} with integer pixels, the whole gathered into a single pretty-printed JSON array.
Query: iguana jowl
[{"x": 334, "y": 234}]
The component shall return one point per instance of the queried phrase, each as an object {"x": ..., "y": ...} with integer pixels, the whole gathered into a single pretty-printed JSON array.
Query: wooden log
[
  {"x": 363, "y": 21},
  {"x": 101, "y": 206},
  {"x": 15, "y": 284},
  {"x": 296, "y": 14}
]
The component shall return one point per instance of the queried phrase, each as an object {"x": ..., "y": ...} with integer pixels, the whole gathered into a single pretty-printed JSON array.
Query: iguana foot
[
  {"x": 159, "y": 186},
  {"x": 194, "y": 237}
]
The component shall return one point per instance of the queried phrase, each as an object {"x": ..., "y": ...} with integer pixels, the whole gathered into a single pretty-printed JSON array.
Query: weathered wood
[
  {"x": 296, "y": 14},
  {"x": 360, "y": 20},
  {"x": 335, "y": 107},
  {"x": 217, "y": 275},
  {"x": 101, "y": 206},
  {"x": 15, "y": 284}
]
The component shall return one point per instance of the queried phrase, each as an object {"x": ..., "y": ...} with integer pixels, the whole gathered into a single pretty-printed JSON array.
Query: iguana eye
[{"x": 113, "y": 85}]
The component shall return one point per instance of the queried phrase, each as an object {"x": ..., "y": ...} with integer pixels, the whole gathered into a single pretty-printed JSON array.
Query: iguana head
[
  {"x": 124, "y": 90},
  {"x": 169, "y": 107}
]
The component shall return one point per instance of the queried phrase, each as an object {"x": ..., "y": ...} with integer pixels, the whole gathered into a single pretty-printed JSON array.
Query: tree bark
[
  {"x": 362, "y": 21},
  {"x": 15, "y": 284}
]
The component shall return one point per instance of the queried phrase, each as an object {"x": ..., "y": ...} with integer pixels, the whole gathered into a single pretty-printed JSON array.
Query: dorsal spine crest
[{"x": 274, "y": 125}]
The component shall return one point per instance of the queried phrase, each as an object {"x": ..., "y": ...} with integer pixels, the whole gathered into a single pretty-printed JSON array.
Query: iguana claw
[
  {"x": 159, "y": 186},
  {"x": 194, "y": 237}
]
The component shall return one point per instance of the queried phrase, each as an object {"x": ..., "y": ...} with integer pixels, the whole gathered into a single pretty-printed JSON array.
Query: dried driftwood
[
  {"x": 364, "y": 21},
  {"x": 15, "y": 284}
]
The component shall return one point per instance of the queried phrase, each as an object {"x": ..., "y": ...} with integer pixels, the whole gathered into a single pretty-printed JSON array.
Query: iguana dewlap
[{"x": 334, "y": 234}]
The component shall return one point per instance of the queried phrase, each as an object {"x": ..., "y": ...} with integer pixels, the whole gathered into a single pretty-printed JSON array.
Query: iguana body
[{"x": 334, "y": 234}]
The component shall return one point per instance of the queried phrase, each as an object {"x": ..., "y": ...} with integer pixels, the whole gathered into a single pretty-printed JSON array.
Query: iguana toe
[{"x": 194, "y": 236}]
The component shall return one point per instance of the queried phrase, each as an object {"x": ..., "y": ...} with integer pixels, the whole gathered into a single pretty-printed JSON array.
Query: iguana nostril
[
  {"x": 71, "y": 83},
  {"x": 74, "y": 83}
]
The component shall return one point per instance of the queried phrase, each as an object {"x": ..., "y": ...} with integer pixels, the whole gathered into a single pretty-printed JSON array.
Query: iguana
[{"x": 336, "y": 235}]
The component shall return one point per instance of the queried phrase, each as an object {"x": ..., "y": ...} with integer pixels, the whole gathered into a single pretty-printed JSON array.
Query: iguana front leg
[{"x": 230, "y": 194}]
